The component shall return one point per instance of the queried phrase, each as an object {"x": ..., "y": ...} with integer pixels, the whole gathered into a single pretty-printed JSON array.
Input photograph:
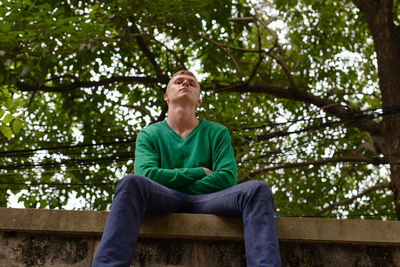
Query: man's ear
[
  {"x": 166, "y": 96},
  {"x": 198, "y": 102}
]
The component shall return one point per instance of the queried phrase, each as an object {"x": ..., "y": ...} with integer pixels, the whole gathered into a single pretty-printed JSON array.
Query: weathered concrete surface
[
  {"x": 30, "y": 237},
  {"x": 298, "y": 254},
  {"x": 37, "y": 250},
  {"x": 53, "y": 221},
  {"x": 25, "y": 249},
  {"x": 217, "y": 253},
  {"x": 203, "y": 226},
  {"x": 189, "y": 252}
]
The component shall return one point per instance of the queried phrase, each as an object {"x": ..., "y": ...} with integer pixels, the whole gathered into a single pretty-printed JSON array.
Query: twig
[
  {"x": 143, "y": 110},
  {"x": 242, "y": 19},
  {"x": 163, "y": 113},
  {"x": 32, "y": 98},
  {"x": 260, "y": 55}
]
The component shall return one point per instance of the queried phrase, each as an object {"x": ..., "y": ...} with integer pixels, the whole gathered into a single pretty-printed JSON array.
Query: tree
[{"x": 308, "y": 90}]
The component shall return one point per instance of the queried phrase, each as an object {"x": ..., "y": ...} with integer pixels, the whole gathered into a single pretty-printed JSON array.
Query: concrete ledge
[{"x": 203, "y": 226}]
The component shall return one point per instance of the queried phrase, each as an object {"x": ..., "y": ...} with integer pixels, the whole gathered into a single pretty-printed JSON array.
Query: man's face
[{"x": 183, "y": 87}]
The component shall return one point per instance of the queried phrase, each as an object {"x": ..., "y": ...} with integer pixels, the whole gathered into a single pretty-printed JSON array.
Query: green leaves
[
  {"x": 80, "y": 79},
  {"x": 16, "y": 126},
  {"x": 9, "y": 123},
  {"x": 7, "y": 118},
  {"x": 6, "y": 131}
]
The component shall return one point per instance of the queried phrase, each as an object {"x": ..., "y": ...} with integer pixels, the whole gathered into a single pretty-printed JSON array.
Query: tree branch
[
  {"x": 241, "y": 49},
  {"x": 369, "y": 8},
  {"x": 142, "y": 110},
  {"x": 256, "y": 20},
  {"x": 146, "y": 51},
  {"x": 78, "y": 84},
  {"x": 345, "y": 201},
  {"x": 386, "y": 36},
  {"x": 260, "y": 55},
  {"x": 241, "y": 19},
  {"x": 226, "y": 52},
  {"x": 351, "y": 158},
  {"x": 343, "y": 112},
  {"x": 281, "y": 59},
  {"x": 169, "y": 50},
  {"x": 163, "y": 113}
]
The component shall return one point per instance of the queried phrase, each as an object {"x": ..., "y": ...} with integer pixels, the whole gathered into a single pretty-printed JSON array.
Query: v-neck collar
[{"x": 175, "y": 135}]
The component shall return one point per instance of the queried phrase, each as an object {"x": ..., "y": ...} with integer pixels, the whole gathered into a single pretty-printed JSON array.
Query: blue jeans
[{"x": 137, "y": 196}]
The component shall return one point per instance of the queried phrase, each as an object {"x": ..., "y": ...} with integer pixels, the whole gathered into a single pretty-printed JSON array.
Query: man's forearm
[
  {"x": 213, "y": 182},
  {"x": 173, "y": 178}
]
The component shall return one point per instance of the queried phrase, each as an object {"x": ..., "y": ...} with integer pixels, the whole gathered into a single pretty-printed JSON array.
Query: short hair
[{"x": 181, "y": 72}]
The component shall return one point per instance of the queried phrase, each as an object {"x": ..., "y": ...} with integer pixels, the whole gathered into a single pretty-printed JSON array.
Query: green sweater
[{"x": 163, "y": 156}]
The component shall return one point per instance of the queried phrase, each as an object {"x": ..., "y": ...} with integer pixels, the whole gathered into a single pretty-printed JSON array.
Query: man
[{"x": 187, "y": 165}]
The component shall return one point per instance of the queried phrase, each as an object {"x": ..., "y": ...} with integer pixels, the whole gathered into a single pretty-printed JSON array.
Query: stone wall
[{"x": 30, "y": 237}]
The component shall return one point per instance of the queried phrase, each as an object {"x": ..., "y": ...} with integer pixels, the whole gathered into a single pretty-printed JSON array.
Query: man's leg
[
  {"x": 135, "y": 197},
  {"x": 253, "y": 201}
]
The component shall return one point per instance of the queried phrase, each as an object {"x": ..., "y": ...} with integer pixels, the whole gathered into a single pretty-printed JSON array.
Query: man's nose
[{"x": 185, "y": 82}]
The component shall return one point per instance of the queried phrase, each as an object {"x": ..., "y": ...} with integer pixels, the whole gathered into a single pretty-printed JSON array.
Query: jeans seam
[{"x": 250, "y": 218}]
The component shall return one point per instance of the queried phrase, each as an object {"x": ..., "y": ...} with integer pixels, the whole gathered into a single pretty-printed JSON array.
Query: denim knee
[
  {"x": 132, "y": 182},
  {"x": 259, "y": 189}
]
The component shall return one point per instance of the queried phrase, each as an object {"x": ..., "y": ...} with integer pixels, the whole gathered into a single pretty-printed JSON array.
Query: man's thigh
[
  {"x": 231, "y": 201},
  {"x": 165, "y": 200},
  {"x": 227, "y": 202}
]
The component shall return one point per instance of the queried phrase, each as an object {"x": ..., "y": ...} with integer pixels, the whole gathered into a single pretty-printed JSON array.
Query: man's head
[{"x": 183, "y": 86}]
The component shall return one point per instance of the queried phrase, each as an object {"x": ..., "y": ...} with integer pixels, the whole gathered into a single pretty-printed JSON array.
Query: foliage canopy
[{"x": 295, "y": 82}]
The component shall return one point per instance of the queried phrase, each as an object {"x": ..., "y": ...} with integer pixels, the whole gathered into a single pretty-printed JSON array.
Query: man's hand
[{"x": 207, "y": 171}]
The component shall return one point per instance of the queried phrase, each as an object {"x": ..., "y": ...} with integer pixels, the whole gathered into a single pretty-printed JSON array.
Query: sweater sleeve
[
  {"x": 147, "y": 163},
  {"x": 224, "y": 167}
]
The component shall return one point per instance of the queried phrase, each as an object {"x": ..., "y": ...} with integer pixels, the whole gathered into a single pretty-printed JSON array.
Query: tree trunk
[
  {"x": 388, "y": 52},
  {"x": 386, "y": 35}
]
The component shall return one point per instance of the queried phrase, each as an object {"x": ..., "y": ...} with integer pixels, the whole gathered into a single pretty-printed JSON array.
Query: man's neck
[{"x": 182, "y": 120}]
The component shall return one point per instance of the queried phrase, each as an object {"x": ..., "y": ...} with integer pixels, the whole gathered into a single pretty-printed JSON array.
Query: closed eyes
[{"x": 191, "y": 82}]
